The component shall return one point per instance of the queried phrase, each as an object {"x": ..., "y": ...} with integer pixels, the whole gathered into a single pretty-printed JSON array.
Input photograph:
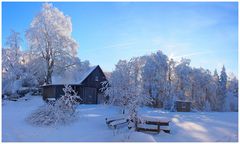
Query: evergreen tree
[{"x": 223, "y": 89}]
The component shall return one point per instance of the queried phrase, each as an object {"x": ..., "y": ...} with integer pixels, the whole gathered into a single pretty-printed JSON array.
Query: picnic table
[
  {"x": 144, "y": 123},
  {"x": 153, "y": 123}
]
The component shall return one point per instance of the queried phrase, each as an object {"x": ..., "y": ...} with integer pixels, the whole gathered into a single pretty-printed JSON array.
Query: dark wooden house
[
  {"x": 88, "y": 88},
  {"x": 183, "y": 106}
]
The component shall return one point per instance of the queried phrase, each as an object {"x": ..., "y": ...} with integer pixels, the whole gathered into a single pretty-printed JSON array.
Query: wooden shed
[
  {"x": 183, "y": 106},
  {"x": 88, "y": 88}
]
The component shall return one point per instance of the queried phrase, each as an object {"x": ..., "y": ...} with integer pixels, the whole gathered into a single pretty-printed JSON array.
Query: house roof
[
  {"x": 86, "y": 73},
  {"x": 82, "y": 76}
]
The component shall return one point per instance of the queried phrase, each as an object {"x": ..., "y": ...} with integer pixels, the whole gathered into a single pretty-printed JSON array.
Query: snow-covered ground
[{"x": 203, "y": 126}]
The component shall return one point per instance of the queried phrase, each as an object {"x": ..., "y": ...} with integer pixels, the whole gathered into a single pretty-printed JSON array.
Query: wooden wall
[
  {"x": 182, "y": 106},
  {"x": 88, "y": 94}
]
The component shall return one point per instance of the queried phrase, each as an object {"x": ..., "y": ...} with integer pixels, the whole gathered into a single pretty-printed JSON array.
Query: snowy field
[{"x": 194, "y": 127}]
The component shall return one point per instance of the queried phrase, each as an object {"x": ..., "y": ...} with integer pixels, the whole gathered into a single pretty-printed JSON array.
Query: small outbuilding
[
  {"x": 183, "y": 106},
  {"x": 88, "y": 88}
]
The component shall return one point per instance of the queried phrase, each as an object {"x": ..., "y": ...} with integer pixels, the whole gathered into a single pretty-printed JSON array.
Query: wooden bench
[
  {"x": 116, "y": 121},
  {"x": 147, "y": 127},
  {"x": 154, "y": 124},
  {"x": 111, "y": 119}
]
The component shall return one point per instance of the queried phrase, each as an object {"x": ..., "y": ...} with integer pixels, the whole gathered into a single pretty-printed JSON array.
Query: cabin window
[{"x": 96, "y": 78}]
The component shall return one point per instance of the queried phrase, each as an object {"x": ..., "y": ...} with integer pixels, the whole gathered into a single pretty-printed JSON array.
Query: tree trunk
[
  {"x": 49, "y": 77},
  {"x": 49, "y": 72}
]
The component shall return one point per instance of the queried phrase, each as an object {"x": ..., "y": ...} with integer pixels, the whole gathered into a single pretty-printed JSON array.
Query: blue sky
[{"x": 206, "y": 33}]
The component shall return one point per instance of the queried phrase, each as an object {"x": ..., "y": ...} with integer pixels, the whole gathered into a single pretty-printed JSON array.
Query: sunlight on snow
[
  {"x": 189, "y": 125},
  {"x": 91, "y": 115},
  {"x": 195, "y": 130}
]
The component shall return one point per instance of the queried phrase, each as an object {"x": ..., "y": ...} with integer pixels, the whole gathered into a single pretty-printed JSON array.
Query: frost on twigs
[{"x": 62, "y": 112}]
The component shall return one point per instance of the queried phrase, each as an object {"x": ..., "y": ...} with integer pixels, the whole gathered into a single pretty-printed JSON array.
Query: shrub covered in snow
[
  {"x": 62, "y": 112},
  {"x": 69, "y": 101}
]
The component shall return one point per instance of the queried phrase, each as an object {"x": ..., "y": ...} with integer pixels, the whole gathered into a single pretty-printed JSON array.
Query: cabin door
[{"x": 90, "y": 96}]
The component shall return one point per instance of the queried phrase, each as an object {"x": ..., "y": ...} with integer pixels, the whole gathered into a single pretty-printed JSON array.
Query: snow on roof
[
  {"x": 75, "y": 78},
  {"x": 86, "y": 73},
  {"x": 183, "y": 101}
]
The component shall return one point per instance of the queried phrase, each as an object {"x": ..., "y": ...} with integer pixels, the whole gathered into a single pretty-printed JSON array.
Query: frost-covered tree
[
  {"x": 69, "y": 100},
  {"x": 136, "y": 97},
  {"x": 155, "y": 78},
  {"x": 119, "y": 83},
  {"x": 36, "y": 67},
  {"x": 216, "y": 80},
  {"x": 203, "y": 93},
  {"x": 125, "y": 88},
  {"x": 216, "y": 76},
  {"x": 211, "y": 93},
  {"x": 49, "y": 36},
  {"x": 223, "y": 80},
  {"x": 166, "y": 81},
  {"x": 11, "y": 55},
  {"x": 62, "y": 112},
  {"x": 135, "y": 73},
  {"x": 125, "y": 84},
  {"x": 149, "y": 79},
  {"x": 223, "y": 89},
  {"x": 183, "y": 84},
  {"x": 171, "y": 98},
  {"x": 135, "y": 101},
  {"x": 14, "y": 41},
  {"x": 12, "y": 68},
  {"x": 73, "y": 73},
  {"x": 232, "y": 94}
]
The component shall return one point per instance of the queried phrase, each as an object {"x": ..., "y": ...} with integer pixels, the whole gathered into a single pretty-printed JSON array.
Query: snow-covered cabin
[{"x": 88, "y": 87}]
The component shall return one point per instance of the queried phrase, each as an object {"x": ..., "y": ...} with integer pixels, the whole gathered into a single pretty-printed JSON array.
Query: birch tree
[
  {"x": 49, "y": 36},
  {"x": 12, "y": 68},
  {"x": 155, "y": 78},
  {"x": 119, "y": 83},
  {"x": 183, "y": 84}
]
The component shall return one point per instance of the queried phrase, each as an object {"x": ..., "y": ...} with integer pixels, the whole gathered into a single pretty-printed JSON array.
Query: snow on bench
[
  {"x": 117, "y": 123},
  {"x": 165, "y": 128},
  {"x": 155, "y": 119},
  {"x": 152, "y": 127},
  {"x": 147, "y": 126},
  {"x": 149, "y": 122},
  {"x": 117, "y": 117}
]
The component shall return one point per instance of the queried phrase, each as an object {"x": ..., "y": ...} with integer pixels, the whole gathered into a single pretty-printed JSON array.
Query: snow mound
[{"x": 49, "y": 115}]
